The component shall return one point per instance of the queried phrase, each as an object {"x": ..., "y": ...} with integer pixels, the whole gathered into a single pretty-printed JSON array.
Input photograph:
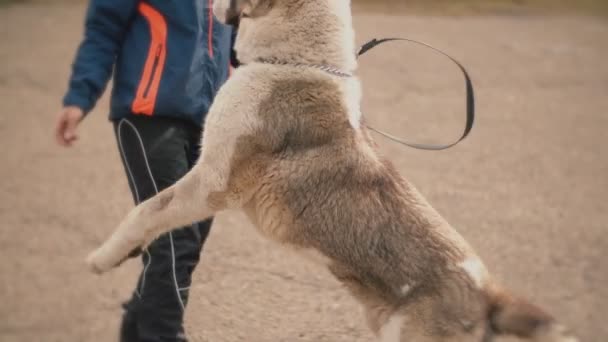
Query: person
[{"x": 168, "y": 59}]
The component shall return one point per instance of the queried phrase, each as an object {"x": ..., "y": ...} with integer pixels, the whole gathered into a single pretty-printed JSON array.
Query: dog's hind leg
[{"x": 382, "y": 317}]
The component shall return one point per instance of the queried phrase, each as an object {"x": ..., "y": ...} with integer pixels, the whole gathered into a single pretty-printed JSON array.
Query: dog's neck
[
  {"x": 322, "y": 67},
  {"x": 325, "y": 38}
]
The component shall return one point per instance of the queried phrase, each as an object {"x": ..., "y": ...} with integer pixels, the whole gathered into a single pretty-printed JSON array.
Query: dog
[{"x": 285, "y": 143}]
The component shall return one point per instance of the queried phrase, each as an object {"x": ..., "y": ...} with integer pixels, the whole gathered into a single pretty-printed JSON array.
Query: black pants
[{"x": 156, "y": 152}]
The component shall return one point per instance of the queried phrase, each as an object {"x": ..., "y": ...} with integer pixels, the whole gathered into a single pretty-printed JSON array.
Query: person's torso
[{"x": 175, "y": 56}]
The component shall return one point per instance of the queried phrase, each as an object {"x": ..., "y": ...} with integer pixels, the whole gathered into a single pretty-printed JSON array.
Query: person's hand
[{"x": 67, "y": 122}]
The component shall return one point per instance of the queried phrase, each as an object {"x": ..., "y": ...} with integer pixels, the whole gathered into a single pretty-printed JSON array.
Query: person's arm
[{"x": 105, "y": 26}]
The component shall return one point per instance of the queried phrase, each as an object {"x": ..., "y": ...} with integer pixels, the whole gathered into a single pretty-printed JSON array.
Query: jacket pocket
[{"x": 147, "y": 90}]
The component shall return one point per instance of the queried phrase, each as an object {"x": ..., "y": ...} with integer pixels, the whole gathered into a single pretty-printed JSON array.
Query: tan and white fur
[{"x": 285, "y": 144}]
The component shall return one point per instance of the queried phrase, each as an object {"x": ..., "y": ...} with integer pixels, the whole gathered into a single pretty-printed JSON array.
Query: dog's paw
[{"x": 99, "y": 264}]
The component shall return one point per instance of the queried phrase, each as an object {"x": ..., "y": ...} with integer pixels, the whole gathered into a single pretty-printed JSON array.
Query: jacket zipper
[
  {"x": 210, "y": 28},
  {"x": 159, "y": 49}
]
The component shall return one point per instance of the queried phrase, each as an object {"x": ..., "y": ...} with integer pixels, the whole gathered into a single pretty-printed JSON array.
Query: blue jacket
[{"x": 168, "y": 58}]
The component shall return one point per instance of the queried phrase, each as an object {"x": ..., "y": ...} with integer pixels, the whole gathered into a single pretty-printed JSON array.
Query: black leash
[{"x": 470, "y": 105}]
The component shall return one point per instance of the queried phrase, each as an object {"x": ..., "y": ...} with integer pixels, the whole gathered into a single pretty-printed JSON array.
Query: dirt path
[{"x": 528, "y": 189}]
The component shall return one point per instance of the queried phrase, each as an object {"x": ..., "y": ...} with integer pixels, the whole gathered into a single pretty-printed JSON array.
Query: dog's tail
[{"x": 510, "y": 315}]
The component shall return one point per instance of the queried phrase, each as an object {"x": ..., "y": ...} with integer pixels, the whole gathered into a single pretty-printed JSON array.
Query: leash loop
[{"x": 470, "y": 96}]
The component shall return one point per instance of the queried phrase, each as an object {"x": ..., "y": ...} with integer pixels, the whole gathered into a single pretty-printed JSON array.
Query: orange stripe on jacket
[{"x": 145, "y": 98}]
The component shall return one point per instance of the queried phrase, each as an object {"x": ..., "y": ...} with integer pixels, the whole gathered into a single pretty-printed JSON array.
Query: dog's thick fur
[{"x": 285, "y": 145}]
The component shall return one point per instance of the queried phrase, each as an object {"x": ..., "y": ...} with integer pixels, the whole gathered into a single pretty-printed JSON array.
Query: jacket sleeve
[{"x": 105, "y": 27}]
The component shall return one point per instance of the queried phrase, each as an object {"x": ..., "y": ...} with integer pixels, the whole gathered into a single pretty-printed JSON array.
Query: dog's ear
[{"x": 509, "y": 315}]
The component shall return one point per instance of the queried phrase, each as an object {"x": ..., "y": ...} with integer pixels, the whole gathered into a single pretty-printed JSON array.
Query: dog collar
[{"x": 326, "y": 68}]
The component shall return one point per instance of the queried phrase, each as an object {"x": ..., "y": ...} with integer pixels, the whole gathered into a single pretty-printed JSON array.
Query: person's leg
[
  {"x": 155, "y": 153},
  {"x": 189, "y": 243}
]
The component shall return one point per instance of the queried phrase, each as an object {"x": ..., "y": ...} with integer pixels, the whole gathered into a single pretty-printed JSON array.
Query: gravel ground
[{"x": 527, "y": 189}]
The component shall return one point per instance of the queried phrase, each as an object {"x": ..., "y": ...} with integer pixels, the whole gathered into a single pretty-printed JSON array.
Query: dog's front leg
[
  {"x": 193, "y": 198},
  {"x": 203, "y": 191},
  {"x": 184, "y": 203}
]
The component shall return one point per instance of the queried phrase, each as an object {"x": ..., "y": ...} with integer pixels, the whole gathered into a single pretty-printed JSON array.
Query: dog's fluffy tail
[{"x": 510, "y": 315}]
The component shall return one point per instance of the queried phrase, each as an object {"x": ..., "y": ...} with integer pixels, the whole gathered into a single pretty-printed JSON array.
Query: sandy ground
[{"x": 527, "y": 189}]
